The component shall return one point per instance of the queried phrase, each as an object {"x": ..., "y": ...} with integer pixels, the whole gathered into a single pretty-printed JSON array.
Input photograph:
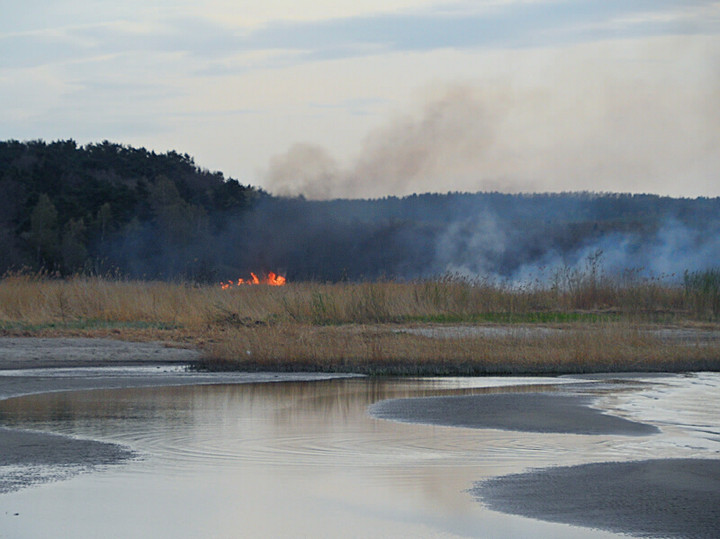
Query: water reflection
[
  {"x": 321, "y": 424},
  {"x": 295, "y": 459}
]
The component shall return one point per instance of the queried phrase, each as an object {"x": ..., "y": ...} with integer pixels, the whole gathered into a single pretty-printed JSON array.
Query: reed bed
[
  {"x": 379, "y": 349},
  {"x": 596, "y": 324}
]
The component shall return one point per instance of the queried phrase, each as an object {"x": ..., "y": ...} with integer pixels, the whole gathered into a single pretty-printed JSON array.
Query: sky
[{"x": 340, "y": 98}]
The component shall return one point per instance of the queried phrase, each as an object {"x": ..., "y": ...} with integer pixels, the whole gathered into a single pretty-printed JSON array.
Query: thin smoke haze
[
  {"x": 601, "y": 134},
  {"x": 513, "y": 238},
  {"x": 449, "y": 139}
]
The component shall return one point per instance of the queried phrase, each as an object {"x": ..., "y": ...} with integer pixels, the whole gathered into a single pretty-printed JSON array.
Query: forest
[{"x": 111, "y": 209}]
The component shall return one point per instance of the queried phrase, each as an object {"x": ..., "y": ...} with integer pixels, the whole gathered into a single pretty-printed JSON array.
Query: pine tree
[{"x": 43, "y": 235}]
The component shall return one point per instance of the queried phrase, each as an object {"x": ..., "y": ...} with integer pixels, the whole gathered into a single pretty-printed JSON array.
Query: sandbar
[
  {"x": 529, "y": 412},
  {"x": 658, "y": 498}
]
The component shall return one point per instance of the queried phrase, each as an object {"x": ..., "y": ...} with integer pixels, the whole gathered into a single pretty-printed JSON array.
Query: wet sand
[
  {"x": 529, "y": 412},
  {"x": 30, "y": 457},
  {"x": 34, "y": 352},
  {"x": 659, "y": 498},
  {"x": 667, "y": 498}
]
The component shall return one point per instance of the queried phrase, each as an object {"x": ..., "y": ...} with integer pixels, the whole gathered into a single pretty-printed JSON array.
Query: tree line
[
  {"x": 65, "y": 205},
  {"x": 110, "y": 208}
]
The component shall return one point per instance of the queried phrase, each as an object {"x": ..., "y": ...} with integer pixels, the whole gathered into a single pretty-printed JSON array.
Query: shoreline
[
  {"x": 436, "y": 349},
  {"x": 66, "y": 352},
  {"x": 31, "y": 365},
  {"x": 561, "y": 494}
]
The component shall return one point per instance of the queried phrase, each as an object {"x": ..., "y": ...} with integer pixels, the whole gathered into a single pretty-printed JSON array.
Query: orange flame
[{"x": 272, "y": 279}]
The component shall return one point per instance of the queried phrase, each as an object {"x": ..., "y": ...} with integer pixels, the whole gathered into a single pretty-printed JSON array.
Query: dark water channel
[{"x": 306, "y": 459}]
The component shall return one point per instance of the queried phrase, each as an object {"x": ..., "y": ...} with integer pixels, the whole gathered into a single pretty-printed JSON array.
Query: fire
[{"x": 272, "y": 279}]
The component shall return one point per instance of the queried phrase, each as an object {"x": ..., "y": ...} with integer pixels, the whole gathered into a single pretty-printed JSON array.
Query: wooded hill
[
  {"x": 63, "y": 205},
  {"x": 108, "y": 208}
]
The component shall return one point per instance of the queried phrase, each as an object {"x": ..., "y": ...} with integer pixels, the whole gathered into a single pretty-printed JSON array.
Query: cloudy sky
[{"x": 337, "y": 98}]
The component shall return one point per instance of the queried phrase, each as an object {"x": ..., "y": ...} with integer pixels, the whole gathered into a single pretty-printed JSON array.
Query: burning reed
[{"x": 445, "y": 326}]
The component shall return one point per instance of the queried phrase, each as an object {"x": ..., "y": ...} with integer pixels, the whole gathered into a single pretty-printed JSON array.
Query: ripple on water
[
  {"x": 240, "y": 451},
  {"x": 685, "y": 407},
  {"x": 311, "y": 425}
]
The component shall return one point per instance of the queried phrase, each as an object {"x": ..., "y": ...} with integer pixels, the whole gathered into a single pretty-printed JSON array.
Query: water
[{"x": 304, "y": 459}]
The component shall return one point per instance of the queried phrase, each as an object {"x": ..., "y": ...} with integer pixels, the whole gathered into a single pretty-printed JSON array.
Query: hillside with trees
[
  {"x": 64, "y": 205},
  {"x": 112, "y": 209}
]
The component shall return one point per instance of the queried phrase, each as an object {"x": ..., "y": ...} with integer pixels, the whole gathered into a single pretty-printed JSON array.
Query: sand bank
[
  {"x": 658, "y": 498},
  {"x": 530, "y": 412}
]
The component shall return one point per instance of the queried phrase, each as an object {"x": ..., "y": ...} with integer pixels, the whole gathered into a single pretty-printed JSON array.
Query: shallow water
[{"x": 305, "y": 459}]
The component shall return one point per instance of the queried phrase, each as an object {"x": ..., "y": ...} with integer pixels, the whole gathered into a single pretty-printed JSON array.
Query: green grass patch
[
  {"x": 542, "y": 317},
  {"x": 86, "y": 324}
]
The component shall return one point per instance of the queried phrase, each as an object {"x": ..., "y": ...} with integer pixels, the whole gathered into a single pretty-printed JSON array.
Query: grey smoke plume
[
  {"x": 305, "y": 169},
  {"x": 448, "y": 140},
  {"x": 476, "y": 250},
  {"x": 471, "y": 246},
  {"x": 629, "y": 132}
]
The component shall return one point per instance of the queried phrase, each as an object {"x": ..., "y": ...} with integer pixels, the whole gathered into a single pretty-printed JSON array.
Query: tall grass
[
  {"x": 702, "y": 292},
  {"x": 362, "y": 326},
  {"x": 33, "y": 300}
]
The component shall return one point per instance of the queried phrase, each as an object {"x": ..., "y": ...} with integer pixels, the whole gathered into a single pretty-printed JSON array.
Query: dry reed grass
[
  {"x": 379, "y": 349},
  {"x": 358, "y": 326}
]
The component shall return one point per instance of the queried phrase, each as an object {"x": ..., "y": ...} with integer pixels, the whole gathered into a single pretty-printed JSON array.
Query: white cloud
[{"x": 623, "y": 104}]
